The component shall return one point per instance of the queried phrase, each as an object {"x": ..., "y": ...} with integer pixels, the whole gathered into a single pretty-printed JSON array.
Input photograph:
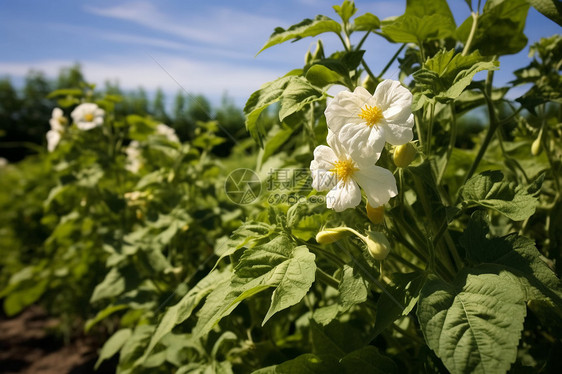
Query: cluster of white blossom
[
  {"x": 359, "y": 125},
  {"x": 86, "y": 116}
]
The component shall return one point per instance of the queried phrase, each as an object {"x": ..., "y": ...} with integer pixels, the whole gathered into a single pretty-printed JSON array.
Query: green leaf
[
  {"x": 421, "y": 8},
  {"x": 277, "y": 264},
  {"x": 499, "y": 29},
  {"x": 366, "y": 22},
  {"x": 117, "y": 281},
  {"x": 307, "y": 27},
  {"x": 367, "y": 360},
  {"x": 490, "y": 190},
  {"x": 413, "y": 29},
  {"x": 474, "y": 324},
  {"x": 446, "y": 75},
  {"x": 321, "y": 76},
  {"x": 294, "y": 92},
  {"x": 405, "y": 291},
  {"x": 549, "y": 8},
  {"x": 183, "y": 309},
  {"x": 24, "y": 294},
  {"x": 346, "y": 10},
  {"x": 113, "y": 345},
  {"x": 515, "y": 254},
  {"x": 307, "y": 363},
  {"x": 353, "y": 289},
  {"x": 65, "y": 92}
]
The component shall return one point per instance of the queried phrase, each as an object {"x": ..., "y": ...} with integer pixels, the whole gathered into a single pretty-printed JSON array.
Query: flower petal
[
  {"x": 361, "y": 141},
  {"x": 324, "y": 159},
  {"x": 343, "y": 196},
  {"x": 345, "y": 108},
  {"x": 400, "y": 134},
  {"x": 378, "y": 183}
]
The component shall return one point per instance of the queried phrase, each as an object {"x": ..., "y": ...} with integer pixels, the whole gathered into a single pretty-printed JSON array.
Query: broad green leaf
[
  {"x": 294, "y": 92},
  {"x": 276, "y": 138},
  {"x": 490, "y": 190},
  {"x": 307, "y": 363},
  {"x": 473, "y": 324},
  {"x": 346, "y": 10},
  {"x": 183, "y": 309},
  {"x": 446, "y": 75},
  {"x": 550, "y": 8},
  {"x": 409, "y": 28},
  {"x": 421, "y": 8},
  {"x": 65, "y": 92},
  {"x": 499, "y": 29},
  {"x": 321, "y": 76},
  {"x": 405, "y": 291},
  {"x": 24, "y": 294},
  {"x": 307, "y": 27},
  {"x": 515, "y": 254},
  {"x": 103, "y": 314},
  {"x": 117, "y": 281},
  {"x": 367, "y": 360},
  {"x": 277, "y": 264},
  {"x": 366, "y": 22},
  {"x": 353, "y": 289},
  {"x": 113, "y": 345}
]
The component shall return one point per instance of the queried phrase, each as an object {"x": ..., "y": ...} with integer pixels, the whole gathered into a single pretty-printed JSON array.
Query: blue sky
[{"x": 207, "y": 47}]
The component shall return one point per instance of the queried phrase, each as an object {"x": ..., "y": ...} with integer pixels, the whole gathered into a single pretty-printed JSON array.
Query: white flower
[
  {"x": 58, "y": 120},
  {"x": 365, "y": 122},
  {"x": 337, "y": 169},
  {"x": 54, "y": 135},
  {"x": 134, "y": 157},
  {"x": 168, "y": 132},
  {"x": 87, "y": 116}
]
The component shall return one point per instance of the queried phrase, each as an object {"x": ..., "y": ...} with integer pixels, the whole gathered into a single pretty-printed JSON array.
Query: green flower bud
[
  {"x": 536, "y": 147},
  {"x": 377, "y": 245},
  {"x": 404, "y": 154},
  {"x": 332, "y": 235}
]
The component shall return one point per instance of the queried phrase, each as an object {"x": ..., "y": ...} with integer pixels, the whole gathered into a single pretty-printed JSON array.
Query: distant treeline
[{"x": 25, "y": 112}]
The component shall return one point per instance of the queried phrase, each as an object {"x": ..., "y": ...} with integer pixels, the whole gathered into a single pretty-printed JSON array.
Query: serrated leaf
[
  {"x": 446, "y": 75},
  {"x": 277, "y": 264},
  {"x": 346, "y": 10},
  {"x": 366, "y": 22},
  {"x": 499, "y": 29},
  {"x": 183, "y": 309},
  {"x": 307, "y": 27},
  {"x": 294, "y": 92},
  {"x": 515, "y": 254},
  {"x": 113, "y": 345},
  {"x": 474, "y": 324},
  {"x": 549, "y": 8},
  {"x": 490, "y": 190},
  {"x": 413, "y": 29},
  {"x": 353, "y": 289}
]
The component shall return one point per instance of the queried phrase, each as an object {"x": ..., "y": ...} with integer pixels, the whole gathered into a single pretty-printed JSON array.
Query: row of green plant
[{"x": 381, "y": 240}]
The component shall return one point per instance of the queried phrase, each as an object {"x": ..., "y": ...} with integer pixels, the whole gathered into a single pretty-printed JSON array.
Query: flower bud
[
  {"x": 376, "y": 215},
  {"x": 319, "y": 52},
  {"x": 536, "y": 147},
  {"x": 377, "y": 245},
  {"x": 328, "y": 236},
  {"x": 369, "y": 84},
  {"x": 404, "y": 154}
]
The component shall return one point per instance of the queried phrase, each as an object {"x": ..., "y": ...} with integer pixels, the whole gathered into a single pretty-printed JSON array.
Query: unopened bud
[
  {"x": 377, "y": 245},
  {"x": 370, "y": 84},
  {"x": 404, "y": 154},
  {"x": 319, "y": 52},
  {"x": 376, "y": 215},
  {"x": 328, "y": 236},
  {"x": 536, "y": 147}
]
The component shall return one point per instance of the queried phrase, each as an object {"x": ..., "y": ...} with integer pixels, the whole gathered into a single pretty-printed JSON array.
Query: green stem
[
  {"x": 327, "y": 279},
  {"x": 472, "y": 32},
  {"x": 391, "y": 61},
  {"x": 452, "y": 141},
  {"x": 362, "y": 41},
  {"x": 494, "y": 124},
  {"x": 430, "y": 130}
]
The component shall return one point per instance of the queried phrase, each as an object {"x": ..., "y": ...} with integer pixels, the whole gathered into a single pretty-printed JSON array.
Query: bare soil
[{"x": 28, "y": 345}]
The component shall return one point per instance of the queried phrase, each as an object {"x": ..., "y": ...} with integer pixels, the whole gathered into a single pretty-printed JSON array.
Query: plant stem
[
  {"x": 452, "y": 141},
  {"x": 391, "y": 61},
  {"x": 327, "y": 279},
  {"x": 430, "y": 130},
  {"x": 472, "y": 32}
]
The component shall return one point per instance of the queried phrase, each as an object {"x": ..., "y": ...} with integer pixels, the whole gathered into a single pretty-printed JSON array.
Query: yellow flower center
[
  {"x": 88, "y": 117},
  {"x": 371, "y": 114},
  {"x": 344, "y": 170}
]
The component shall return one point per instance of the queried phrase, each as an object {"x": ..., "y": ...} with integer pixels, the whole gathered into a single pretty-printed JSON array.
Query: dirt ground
[{"x": 27, "y": 347}]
